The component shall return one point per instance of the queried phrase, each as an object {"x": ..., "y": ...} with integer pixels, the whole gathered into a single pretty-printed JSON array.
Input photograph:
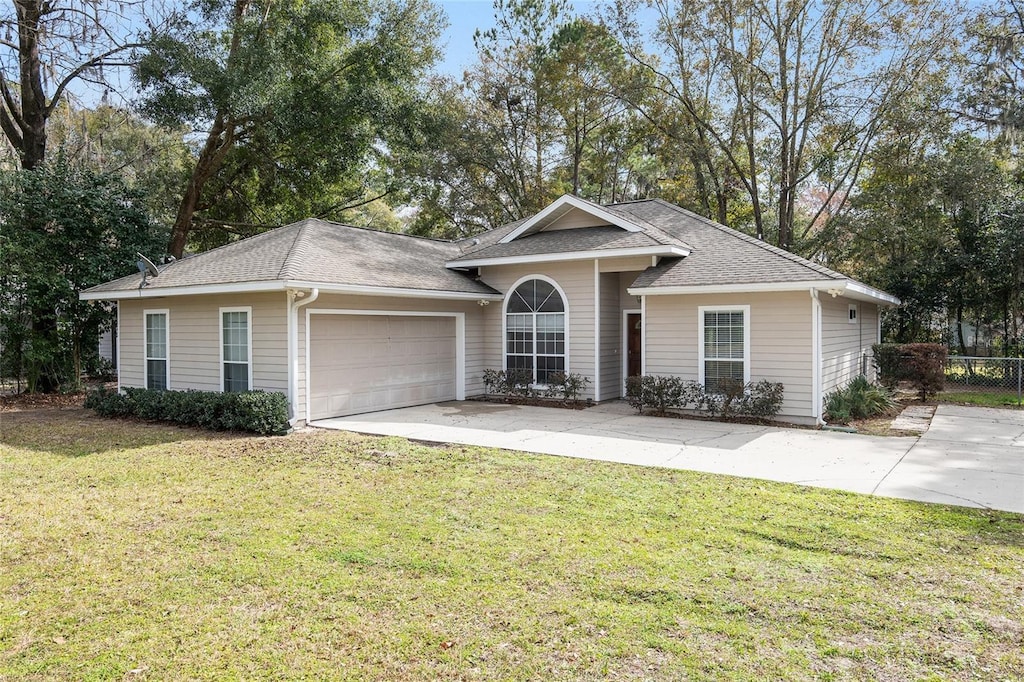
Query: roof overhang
[
  {"x": 833, "y": 287},
  {"x": 283, "y": 285},
  {"x": 561, "y": 206},
  {"x": 664, "y": 251}
]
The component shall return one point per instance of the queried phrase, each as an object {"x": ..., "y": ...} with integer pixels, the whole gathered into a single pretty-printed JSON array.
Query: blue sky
[{"x": 464, "y": 18}]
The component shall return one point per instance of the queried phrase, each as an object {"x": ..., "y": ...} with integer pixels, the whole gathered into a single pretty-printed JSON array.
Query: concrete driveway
[{"x": 970, "y": 456}]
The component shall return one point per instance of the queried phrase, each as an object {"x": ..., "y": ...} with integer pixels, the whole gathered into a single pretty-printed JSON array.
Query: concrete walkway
[{"x": 971, "y": 456}]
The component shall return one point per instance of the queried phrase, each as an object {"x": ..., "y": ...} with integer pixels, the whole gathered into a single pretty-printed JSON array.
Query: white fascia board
[
  {"x": 863, "y": 292},
  {"x": 668, "y": 251},
  {"x": 365, "y": 290},
  {"x": 282, "y": 285},
  {"x": 736, "y": 288},
  {"x": 837, "y": 287},
  {"x": 572, "y": 202},
  {"x": 160, "y": 292}
]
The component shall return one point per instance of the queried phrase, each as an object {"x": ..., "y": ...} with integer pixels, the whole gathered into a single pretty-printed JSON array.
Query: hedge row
[
  {"x": 255, "y": 411},
  {"x": 922, "y": 364},
  {"x": 660, "y": 393}
]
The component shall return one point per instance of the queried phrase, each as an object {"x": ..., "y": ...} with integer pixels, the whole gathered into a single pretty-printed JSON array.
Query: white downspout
[
  {"x": 293, "y": 345},
  {"x": 816, "y": 396}
]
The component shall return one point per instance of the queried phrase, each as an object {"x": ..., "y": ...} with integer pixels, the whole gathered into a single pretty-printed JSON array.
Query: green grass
[
  {"x": 986, "y": 399},
  {"x": 137, "y": 551}
]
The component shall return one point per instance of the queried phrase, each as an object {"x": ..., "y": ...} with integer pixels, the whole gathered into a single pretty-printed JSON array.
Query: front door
[{"x": 634, "y": 325}]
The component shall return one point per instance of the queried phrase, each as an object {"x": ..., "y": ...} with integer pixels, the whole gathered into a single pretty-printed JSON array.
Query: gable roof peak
[{"x": 562, "y": 206}]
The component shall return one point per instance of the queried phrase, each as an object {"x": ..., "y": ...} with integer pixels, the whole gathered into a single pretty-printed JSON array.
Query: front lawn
[{"x": 139, "y": 551}]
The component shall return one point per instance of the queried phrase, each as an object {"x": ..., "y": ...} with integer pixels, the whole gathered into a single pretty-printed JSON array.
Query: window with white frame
[
  {"x": 724, "y": 347},
  {"x": 156, "y": 341},
  {"x": 236, "y": 347},
  {"x": 535, "y": 330}
]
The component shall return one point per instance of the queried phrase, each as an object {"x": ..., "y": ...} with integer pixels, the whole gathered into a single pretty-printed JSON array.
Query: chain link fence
[{"x": 987, "y": 380}]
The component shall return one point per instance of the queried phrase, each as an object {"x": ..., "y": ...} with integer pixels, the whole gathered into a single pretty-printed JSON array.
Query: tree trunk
[
  {"x": 33, "y": 114},
  {"x": 219, "y": 142}
]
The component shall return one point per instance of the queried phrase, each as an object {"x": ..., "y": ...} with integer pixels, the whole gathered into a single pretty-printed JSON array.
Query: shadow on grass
[{"x": 75, "y": 431}]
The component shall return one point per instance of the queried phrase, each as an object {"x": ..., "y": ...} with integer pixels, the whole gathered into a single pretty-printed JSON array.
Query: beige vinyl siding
[
  {"x": 845, "y": 345},
  {"x": 611, "y": 337},
  {"x": 576, "y": 279},
  {"x": 130, "y": 337},
  {"x": 194, "y": 340},
  {"x": 627, "y": 301},
  {"x": 475, "y": 341},
  {"x": 780, "y": 340}
]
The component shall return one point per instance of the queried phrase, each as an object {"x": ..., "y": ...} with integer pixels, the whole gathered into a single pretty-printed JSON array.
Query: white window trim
[
  {"x": 145, "y": 346},
  {"x": 504, "y": 321},
  {"x": 460, "y": 343},
  {"x": 220, "y": 334},
  {"x": 852, "y": 319},
  {"x": 700, "y": 337}
]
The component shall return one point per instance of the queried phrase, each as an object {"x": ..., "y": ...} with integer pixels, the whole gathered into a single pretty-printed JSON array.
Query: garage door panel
[{"x": 364, "y": 363}]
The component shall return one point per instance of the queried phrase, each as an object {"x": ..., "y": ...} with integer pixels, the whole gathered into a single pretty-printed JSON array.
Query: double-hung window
[
  {"x": 236, "y": 349},
  {"x": 157, "y": 332},
  {"x": 724, "y": 358},
  {"x": 535, "y": 330}
]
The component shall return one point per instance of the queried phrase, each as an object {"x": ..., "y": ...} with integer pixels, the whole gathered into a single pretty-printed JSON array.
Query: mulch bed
[{"x": 35, "y": 401}]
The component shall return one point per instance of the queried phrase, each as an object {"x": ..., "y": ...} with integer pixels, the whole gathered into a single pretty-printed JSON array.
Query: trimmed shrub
[
  {"x": 108, "y": 403},
  {"x": 513, "y": 383},
  {"x": 659, "y": 393},
  {"x": 517, "y": 384},
  {"x": 254, "y": 411},
  {"x": 859, "y": 400},
  {"x": 568, "y": 387},
  {"x": 761, "y": 400},
  {"x": 922, "y": 364}
]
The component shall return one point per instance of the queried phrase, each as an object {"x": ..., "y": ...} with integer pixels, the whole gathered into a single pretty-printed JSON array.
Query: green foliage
[
  {"x": 513, "y": 383},
  {"x": 152, "y": 160},
  {"x": 261, "y": 412},
  {"x": 889, "y": 360},
  {"x": 518, "y": 384},
  {"x": 859, "y": 400},
  {"x": 568, "y": 387},
  {"x": 308, "y": 107},
  {"x": 761, "y": 400},
  {"x": 922, "y": 364},
  {"x": 64, "y": 229},
  {"x": 926, "y": 367}
]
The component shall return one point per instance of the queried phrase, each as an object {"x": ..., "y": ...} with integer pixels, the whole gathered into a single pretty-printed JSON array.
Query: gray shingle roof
[
  {"x": 564, "y": 241},
  {"x": 718, "y": 255},
  {"x": 320, "y": 252}
]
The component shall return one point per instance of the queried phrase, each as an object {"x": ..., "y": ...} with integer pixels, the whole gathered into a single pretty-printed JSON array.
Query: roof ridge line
[
  {"x": 788, "y": 255},
  {"x": 663, "y": 237},
  {"x": 295, "y": 252},
  {"x": 334, "y": 223}
]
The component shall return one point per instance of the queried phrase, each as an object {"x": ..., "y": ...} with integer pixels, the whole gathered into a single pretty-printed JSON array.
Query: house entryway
[
  {"x": 365, "y": 363},
  {"x": 632, "y": 334}
]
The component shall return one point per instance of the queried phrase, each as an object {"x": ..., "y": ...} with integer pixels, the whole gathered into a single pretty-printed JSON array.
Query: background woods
[{"x": 880, "y": 137}]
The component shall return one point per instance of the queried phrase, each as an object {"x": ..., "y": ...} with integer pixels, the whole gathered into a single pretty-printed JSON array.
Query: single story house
[{"x": 345, "y": 320}]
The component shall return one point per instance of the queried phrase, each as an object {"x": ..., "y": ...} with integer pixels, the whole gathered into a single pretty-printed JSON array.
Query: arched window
[{"x": 535, "y": 330}]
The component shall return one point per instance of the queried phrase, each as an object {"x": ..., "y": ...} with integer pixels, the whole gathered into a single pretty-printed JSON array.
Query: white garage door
[{"x": 364, "y": 363}]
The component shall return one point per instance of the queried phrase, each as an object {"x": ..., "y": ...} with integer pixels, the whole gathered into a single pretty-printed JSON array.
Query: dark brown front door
[{"x": 633, "y": 342}]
